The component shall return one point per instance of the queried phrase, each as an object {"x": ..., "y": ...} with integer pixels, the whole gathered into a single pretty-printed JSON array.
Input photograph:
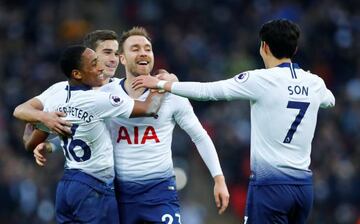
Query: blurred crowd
[{"x": 198, "y": 40}]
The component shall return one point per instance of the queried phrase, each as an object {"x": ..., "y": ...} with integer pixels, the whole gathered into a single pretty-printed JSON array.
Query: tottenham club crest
[
  {"x": 242, "y": 77},
  {"x": 115, "y": 100}
]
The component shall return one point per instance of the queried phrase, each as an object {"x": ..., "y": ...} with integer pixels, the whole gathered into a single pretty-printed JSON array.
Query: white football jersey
[
  {"x": 142, "y": 146},
  {"x": 89, "y": 149},
  {"x": 284, "y": 103}
]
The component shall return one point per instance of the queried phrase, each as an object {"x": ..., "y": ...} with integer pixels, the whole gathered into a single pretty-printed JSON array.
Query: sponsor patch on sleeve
[
  {"x": 242, "y": 77},
  {"x": 115, "y": 100}
]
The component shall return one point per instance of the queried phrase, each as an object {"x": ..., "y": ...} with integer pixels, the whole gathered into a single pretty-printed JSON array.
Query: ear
[
  {"x": 122, "y": 59},
  {"x": 76, "y": 74},
  {"x": 265, "y": 47}
]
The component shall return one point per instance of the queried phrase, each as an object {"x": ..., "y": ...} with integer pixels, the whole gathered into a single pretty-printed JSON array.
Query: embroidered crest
[
  {"x": 242, "y": 77},
  {"x": 115, "y": 100}
]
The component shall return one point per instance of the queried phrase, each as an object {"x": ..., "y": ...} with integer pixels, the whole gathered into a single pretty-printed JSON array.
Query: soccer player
[
  {"x": 105, "y": 44},
  {"x": 85, "y": 193},
  {"x": 143, "y": 146},
  {"x": 145, "y": 183},
  {"x": 284, "y": 101}
]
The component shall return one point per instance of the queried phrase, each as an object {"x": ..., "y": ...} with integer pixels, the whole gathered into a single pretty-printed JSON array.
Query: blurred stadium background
[{"x": 198, "y": 40}]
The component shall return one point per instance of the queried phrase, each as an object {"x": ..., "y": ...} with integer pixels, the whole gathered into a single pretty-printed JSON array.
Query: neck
[
  {"x": 131, "y": 92},
  {"x": 273, "y": 62},
  {"x": 74, "y": 82}
]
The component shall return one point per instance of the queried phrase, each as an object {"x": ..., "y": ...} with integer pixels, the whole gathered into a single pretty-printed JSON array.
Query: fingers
[
  {"x": 60, "y": 114},
  {"x": 224, "y": 203},
  {"x": 138, "y": 83},
  {"x": 217, "y": 200},
  {"x": 157, "y": 72},
  {"x": 40, "y": 161},
  {"x": 39, "y": 153},
  {"x": 61, "y": 130}
]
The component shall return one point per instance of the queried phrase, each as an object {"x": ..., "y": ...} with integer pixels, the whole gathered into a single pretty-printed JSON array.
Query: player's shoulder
[
  {"x": 313, "y": 78},
  {"x": 176, "y": 102},
  {"x": 59, "y": 86},
  {"x": 114, "y": 86},
  {"x": 251, "y": 75}
]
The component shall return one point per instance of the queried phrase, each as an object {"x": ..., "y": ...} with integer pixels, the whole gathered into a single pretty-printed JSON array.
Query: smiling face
[
  {"x": 108, "y": 56},
  {"x": 90, "y": 69},
  {"x": 137, "y": 56}
]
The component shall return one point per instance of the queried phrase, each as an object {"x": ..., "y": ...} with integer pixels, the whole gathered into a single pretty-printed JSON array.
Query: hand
[
  {"x": 145, "y": 81},
  {"x": 167, "y": 77},
  {"x": 54, "y": 121},
  {"x": 221, "y": 193},
  {"x": 40, "y": 153}
]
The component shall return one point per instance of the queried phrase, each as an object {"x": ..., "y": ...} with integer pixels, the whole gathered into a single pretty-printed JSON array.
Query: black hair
[
  {"x": 71, "y": 59},
  {"x": 282, "y": 37},
  {"x": 92, "y": 39}
]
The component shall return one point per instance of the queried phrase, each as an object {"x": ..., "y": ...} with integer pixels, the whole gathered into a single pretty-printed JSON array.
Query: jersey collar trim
[
  {"x": 288, "y": 65},
  {"x": 122, "y": 84},
  {"x": 78, "y": 87}
]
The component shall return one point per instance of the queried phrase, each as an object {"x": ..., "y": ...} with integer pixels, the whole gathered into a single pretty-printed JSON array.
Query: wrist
[
  {"x": 219, "y": 179},
  {"x": 161, "y": 84},
  {"x": 41, "y": 116}
]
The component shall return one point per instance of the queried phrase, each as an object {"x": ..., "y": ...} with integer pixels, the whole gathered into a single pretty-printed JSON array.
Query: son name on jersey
[
  {"x": 298, "y": 90},
  {"x": 76, "y": 112}
]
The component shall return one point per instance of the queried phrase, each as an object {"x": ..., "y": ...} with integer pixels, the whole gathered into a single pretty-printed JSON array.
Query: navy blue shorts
[
  {"x": 81, "y": 198},
  {"x": 153, "y": 201},
  {"x": 278, "y": 204}
]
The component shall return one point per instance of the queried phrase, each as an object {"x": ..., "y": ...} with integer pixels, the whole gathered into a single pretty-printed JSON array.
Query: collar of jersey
[
  {"x": 288, "y": 65},
  {"x": 122, "y": 83},
  {"x": 78, "y": 87}
]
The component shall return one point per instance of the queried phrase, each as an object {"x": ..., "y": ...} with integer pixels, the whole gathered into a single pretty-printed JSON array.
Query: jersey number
[
  {"x": 169, "y": 219},
  {"x": 69, "y": 146},
  {"x": 302, "y": 107}
]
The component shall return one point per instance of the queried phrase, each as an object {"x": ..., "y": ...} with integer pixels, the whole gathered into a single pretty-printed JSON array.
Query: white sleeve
[
  {"x": 246, "y": 85},
  {"x": 51, "y": 91},
  {"x": 187, "y": 120},
  {"x": 110, "y": 105},
  {"x": 327, "y": 98}
]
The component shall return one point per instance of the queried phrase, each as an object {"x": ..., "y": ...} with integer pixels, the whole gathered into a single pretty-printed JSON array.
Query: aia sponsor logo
[{"x": 134, "y": 136}]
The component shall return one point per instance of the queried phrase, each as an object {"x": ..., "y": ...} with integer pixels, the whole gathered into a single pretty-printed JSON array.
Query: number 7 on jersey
[{"x": 302, "y": 107}]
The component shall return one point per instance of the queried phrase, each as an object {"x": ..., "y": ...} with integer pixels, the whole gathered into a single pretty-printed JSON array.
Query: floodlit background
[{"x": 199, "y": 40}]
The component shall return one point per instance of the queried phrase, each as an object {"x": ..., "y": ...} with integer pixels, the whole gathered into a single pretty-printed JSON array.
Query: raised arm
[
  {"x": 32, "y": 111},
  {"x": 246, "y": 85}
]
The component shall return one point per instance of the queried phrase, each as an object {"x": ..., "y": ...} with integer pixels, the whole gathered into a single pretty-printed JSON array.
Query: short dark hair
[
  {"x": 135, "y": 31},
  {"x": 71, "y": 59},
  {"x": 92, "y": 39},
  {"x": 282, "y": 37}
]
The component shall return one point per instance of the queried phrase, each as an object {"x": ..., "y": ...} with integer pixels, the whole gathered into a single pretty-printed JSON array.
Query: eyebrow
[
  {"x": 109, "y": 49},
  {"x": 138, "y": 45}
]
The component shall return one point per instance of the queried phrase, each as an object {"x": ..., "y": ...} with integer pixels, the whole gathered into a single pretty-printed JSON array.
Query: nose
[
  {"x": 114, "y": 57},
  {"x": 143, "y": 52}
]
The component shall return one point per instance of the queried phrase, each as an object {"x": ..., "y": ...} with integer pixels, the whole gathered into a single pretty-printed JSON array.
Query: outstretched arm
[{"x": 32, "y": 111}]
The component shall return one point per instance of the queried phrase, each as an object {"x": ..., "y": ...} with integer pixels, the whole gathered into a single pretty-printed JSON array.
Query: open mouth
[{"x": 142, "y": 63}]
